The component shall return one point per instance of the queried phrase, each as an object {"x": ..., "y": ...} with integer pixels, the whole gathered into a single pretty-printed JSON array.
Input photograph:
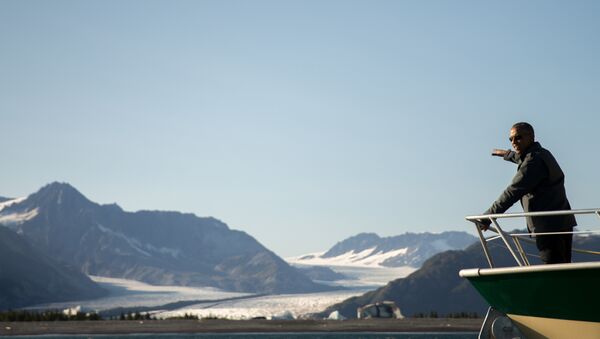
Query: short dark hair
[{"x": 524, "y": 126}]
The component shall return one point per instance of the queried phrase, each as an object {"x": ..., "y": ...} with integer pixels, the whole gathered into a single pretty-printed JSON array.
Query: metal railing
[{"x": 521, "y": 259}]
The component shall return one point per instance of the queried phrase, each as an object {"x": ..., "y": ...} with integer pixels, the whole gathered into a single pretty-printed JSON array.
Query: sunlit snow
[
  {"x": 273, "y": 306},
  {"x": 17, "y": 218},
  {"x": 9, "y": 203},
  {"x": 366, "y": 258}
]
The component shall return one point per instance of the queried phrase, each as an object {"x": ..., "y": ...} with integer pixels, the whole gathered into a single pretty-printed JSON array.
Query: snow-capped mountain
[
  {"x": 162, "y": 248},
  {"x": 3, "y": 199},
  {"x": 370, "y": 250}
]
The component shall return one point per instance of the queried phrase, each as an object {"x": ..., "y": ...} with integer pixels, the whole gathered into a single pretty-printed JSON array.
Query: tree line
[
  {"x": 52, "y": 315},
  {"x": 56, "y": 315}
]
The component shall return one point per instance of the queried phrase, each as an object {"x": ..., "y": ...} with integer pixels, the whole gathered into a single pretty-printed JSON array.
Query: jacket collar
[{"x": 534, "y": 147}]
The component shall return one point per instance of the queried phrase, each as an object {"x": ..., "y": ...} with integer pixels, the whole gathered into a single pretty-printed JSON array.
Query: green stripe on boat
[{"x": 569, "y": 291}]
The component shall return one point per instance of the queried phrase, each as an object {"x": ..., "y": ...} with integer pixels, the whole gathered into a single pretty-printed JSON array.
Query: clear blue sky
[{"x": 299, "y": 122}]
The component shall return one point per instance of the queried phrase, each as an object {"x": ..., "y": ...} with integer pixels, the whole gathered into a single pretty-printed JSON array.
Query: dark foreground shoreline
[{"x": 239, "y": 326}]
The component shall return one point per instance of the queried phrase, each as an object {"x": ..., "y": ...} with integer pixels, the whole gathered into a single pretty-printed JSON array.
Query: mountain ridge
[
  {"x": 369, "y": 249},
  {"x": 157, "y": 247}
]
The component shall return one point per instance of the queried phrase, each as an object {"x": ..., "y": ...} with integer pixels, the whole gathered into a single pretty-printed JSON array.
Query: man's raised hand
[{"x": 500, "y": 152}]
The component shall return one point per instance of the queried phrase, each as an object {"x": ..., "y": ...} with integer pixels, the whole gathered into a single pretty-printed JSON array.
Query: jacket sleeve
[
  {"x": 531, "y": 173},
  {"x": 512, "y": 157}
]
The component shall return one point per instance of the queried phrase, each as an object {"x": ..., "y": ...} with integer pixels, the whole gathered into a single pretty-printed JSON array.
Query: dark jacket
[{"x": 540, "y": 185}]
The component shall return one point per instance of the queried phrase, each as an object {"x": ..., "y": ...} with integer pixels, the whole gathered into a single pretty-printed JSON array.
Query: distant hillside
[
  {"x": 368, "y": 249},
  {"x": 28, "y": 277},
  {"x": 322, "y": 273},
  {"x": 163, "y": 248},
  {"x": 438, "y": 287}
]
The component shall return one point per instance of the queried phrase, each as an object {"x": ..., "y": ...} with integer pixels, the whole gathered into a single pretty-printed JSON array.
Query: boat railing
[{"x": 516, "y": 248}]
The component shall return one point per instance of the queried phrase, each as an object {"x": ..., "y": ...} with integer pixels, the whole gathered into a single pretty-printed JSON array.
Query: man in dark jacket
[{"x": 540, "y": 185}]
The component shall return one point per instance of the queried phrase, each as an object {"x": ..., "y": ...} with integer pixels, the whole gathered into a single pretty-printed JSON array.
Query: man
[{"x": 539, "y": 184}]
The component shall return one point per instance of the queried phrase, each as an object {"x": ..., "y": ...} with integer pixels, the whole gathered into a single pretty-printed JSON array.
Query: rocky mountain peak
[
  {"x": 58, "y": 193},
  {"x": 357, "y": 243}
]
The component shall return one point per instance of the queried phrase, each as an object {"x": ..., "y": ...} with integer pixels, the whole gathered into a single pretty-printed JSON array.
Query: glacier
[{"x": 213, "y": 302}]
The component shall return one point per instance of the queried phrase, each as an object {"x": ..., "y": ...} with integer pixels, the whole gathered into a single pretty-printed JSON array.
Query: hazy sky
[{"x": 299, "y": 122}]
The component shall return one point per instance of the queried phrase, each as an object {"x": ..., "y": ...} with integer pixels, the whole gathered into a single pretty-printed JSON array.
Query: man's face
[{"x": 520, "y": 140}]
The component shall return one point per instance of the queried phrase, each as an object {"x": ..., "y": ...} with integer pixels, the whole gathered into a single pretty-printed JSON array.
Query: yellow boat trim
[{"x": 538, "y": 327}]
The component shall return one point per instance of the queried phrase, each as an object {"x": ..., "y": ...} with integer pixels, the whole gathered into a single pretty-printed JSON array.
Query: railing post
[
  {"x": 484, "y": 245},
  {"x": 502, "y": 235},
  {"x": 521, "y": 251}
]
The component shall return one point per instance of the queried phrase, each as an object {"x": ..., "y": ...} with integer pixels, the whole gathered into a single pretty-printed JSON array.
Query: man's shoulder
[
  {"x": 540, "y": 156},
  {"x": 536, "y": 151}
]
